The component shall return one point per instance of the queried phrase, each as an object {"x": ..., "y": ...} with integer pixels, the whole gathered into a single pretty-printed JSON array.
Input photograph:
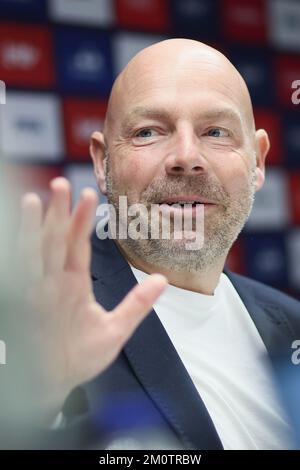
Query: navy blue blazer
[{"x": 148, "y": 386}]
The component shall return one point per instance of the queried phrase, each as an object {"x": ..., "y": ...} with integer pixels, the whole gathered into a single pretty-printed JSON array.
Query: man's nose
[{"x": 186, "y": 156}]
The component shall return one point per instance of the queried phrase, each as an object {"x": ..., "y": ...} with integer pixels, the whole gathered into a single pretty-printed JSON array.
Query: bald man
[{"x": 179, "y": 135}]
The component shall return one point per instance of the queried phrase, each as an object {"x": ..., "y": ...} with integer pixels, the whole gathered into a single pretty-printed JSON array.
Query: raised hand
[{"x": 72, "y": 337}]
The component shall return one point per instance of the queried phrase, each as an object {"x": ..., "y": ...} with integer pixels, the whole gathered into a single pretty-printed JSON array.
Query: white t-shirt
[{"x": 225, "y": 357}]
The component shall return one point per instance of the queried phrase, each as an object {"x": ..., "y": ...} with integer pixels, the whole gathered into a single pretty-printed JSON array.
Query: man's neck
[{"x": 203, "y": 282}]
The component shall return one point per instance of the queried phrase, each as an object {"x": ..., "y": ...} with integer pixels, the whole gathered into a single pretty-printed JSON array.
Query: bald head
[
  {"x": 182, "y": 61},
  {"x": 180, "y": 123}
]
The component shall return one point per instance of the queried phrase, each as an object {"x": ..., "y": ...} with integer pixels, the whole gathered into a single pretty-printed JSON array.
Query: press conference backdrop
[{"x": 58, "y": 59}]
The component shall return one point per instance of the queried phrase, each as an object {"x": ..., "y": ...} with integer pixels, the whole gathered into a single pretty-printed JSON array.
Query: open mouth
[
  {"x": 185, "y": 202},
  {"x": 186, "y": 205}
]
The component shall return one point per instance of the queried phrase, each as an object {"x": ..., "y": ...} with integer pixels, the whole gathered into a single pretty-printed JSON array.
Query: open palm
[{"x": 73, "y": 338}]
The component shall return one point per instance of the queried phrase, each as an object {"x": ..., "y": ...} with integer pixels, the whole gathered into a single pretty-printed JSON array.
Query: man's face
[{"x": 182, "y": 133}]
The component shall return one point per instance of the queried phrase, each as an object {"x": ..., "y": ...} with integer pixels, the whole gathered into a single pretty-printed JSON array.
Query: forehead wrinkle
[{"x": 130, "y": 118}]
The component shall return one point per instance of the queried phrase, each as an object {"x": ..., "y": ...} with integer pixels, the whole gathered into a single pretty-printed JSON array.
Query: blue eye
[
  {"x": 217, "y": 132},
  {"x": 148, "y": 132}
]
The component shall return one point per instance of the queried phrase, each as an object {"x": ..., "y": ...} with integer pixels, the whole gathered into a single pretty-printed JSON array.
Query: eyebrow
[{"x": 141, "y": 112}]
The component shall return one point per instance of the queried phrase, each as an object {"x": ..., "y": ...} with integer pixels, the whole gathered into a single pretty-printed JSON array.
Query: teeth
[
  {"x": 183, "y": 202},
  {"x": 187, "y": 202}
]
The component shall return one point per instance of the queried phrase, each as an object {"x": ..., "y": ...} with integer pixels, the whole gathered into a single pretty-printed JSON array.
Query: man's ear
[
  {"x": 262, "y": 146},
  {"x": 98, "y": 154}
]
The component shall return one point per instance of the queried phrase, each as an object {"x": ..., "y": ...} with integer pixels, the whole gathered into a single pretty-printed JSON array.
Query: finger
[
  {"x": 82, "y": 223},
  {"x": 29, "y": 238},
  {"x": 137, "y": 304},
  {"x": 56, "y": 226}
]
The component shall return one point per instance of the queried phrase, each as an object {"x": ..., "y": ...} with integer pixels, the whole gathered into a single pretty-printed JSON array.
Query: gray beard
[{"x": 220, "y": 229}]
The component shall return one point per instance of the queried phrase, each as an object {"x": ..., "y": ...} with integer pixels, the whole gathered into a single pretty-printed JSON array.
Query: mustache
[{"x": 202, "y": 186}]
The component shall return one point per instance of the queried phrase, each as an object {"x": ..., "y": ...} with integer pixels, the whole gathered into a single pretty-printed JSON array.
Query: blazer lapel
[
  {"x": 269, "y": 319},
  {"x": 152, "y": 355}
]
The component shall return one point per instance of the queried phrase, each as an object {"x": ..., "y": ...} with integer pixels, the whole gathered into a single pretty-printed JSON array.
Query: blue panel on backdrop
[
  {"x": 84, "y": 62},
  {"x": 266, "y": 258},
  {"x": 196, "y": 17},
  {"x": 255, "y": 67},
  {"x": 27, "y": 9}
]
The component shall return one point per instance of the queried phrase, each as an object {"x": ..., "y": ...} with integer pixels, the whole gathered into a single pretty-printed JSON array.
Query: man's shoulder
[{"x": 264, "y": 293}]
